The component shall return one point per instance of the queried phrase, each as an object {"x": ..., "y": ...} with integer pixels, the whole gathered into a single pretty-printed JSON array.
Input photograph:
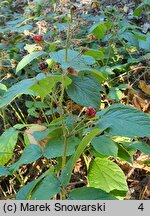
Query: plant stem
[
  {"x": 23, "y": 117},
  {"x": 19, "y": 178},
  {"x": 17, "y": 114},
  {"x": 4, "y": 119},
  {"x": 68, "y": 38},
  {"x": 67, "y": 42},
  {"x": 65, "y": 133},
  {"x": 86, "y": 161}
]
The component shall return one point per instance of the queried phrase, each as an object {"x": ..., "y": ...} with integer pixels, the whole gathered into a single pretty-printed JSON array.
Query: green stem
[
  {"x": 21, "y": 113},
  {"x": 52, "y": 102},
  {"x": 65, "y": 133},
  {"x": 4, "y": 119},
  {"x": 108, "y": 56},
  {"x": 75, "y": 128},
  {"x": 19, "y": 178},
  {"x": 68, "y": 38},
  {"x": 46, "y": 119},
  {"x": 86, "y": 161},
  {"x": 67, "y": 42},
  {"x": 17, "y": 114},
  {"x": 63, "y": 122}
]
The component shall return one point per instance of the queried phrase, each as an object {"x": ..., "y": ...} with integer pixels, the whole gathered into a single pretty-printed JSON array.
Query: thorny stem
[
  {"x": 67, "y": 42},
  {"x": 63, "y": 122},
  {"x": 65, "y": 132},
  {"x": 68, "y": 37}
]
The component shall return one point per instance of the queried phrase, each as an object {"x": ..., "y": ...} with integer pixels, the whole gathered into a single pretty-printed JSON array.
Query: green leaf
[
  {"x": 4, "y": 171},
  {"x": 126, "y": 25},
  {"x": 124, "y": 121},
  {"x": 115, "y": 94},
  {"x": 146, "y": 162},
  {"x": 138, "y": 10},
  {"x": 146, "y": 2},
  {"x": 85, "y": 91},
  {"x": 98, "y": 29},
  {"x": 32, "y": 112},
  {"x": 21, "y": 29},
  {"x": 25, "y": 192},
  {"x": 89, "y": 193},
  {"x": 119, "y": 194},
  {"x": 96, "y": 54},
  {"x": 123, "y": 154},
  {"x": 19, "y": 88},
  {"x": 66, "y": 173},
  {"x": 105, "y": 146},
  {"x": 145, "y": 44},
  {"x": 16, "y": 21},
  {"x": 16, "y": 90},
  {"x": 58, "y": 78},
  {"x": 40, "y": 135},
  {"x": 27, "y": 59},
  {"x": 3, "y": 87},
  {"x": 132, "y": 40},
  {"x": 43, "y": 87},
  {"x": 99, "y": 75},
  {"x": 141, "y": 58},
  {"x": 106, "y": 175},
  {"x": 40, "y": 105},
  {"x": 47, "y": 188},
  {"x": 36, "y": 104},
  {"x": 7, "y": 144},
  {"x": 139, "y": 35},
  {"x": 55, "y": 147},
  {"x": 30, "y": 154},
  {"x": 75, "y": 60},
  {"x": 123, "y": 86},
  {"x": 53, "y": 131},
  {"x": 141, "y": 146},
  {"x": 20, "y": 126}
]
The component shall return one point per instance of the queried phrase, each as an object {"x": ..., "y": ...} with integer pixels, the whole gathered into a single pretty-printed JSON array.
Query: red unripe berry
[
  {"x": 90, "y": 112},
  {"x": 37, "y": 38}
]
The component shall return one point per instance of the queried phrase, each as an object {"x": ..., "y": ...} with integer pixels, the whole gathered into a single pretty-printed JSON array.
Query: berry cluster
[
  {"x": 37, "y": 38},
  {"x": 90, "y": 112}
]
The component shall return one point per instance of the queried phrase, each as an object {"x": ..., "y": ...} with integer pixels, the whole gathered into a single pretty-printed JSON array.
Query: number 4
[{"x": 141, "y": 207}]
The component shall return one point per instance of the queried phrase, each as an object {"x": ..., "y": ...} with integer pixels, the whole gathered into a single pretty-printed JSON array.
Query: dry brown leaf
[
  {"x": 91, "y": 37},
  {"x": 95, "y": 5},
  {"x": 140, "y": 103},
  {"x": 144, "y": 87},
  {"x": 136, "y": 69},
  {"x": 139, "y": 163},
  {"x": 139, "y": 100}
]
